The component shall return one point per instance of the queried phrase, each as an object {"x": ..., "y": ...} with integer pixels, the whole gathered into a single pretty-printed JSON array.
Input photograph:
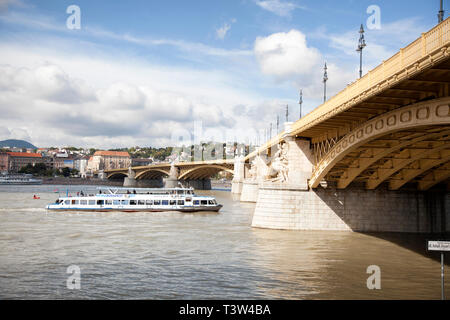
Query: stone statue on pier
[
  {"x": 280, "y": 163},
  {"x": 131, "y": 173},
  {"x": 253, "y": 171},
  {"x": 173, "y": 173},
  {"x": 278, "y": 170}
]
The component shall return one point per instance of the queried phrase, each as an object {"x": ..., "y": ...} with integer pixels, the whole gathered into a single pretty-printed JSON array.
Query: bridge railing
[
  {"x": 429, "y": 42},
  {"x": 433, "y": 40}
]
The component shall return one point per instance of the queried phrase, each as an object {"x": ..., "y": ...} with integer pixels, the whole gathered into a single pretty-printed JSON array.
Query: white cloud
[
  {"x": 287, "y": 57},
  {"x": 278, "y": 7},
  {"x": 286, "y": 54},
  {"x": 92, "y": 102},
  {"x": 222, "y": 31}
]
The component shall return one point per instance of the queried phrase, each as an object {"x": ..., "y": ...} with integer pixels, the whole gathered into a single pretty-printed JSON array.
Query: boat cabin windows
[
  {"x": 75, "y": 202},
  {"x": 149, "y": 202},
  {"x": 116, "y": 202},
  {"x": 91, "y": 202},
  {"x": 212, "y": 202},
  {"x": 156, "y": 202},
  {"x": 83, "y": 202},
  {"x": 172, "y": 202},
  {"x": 67, "y": 202},
  {"x": 133, "y": 202},
  {"x": 141, "y": 202},
  {"x": 100, "y": 202},
  {"x": 165, "y": 202},
  {"x": 204, "y": 202},
  {"x": 108, "y": 202},
  {"x": 124, "y": 202},
  {"x": 196, "y": 202},
  {"x": 180, "y": 202}
]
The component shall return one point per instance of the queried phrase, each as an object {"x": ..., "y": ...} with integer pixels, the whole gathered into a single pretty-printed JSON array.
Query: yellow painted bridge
[{"x": 392, "y": 126}]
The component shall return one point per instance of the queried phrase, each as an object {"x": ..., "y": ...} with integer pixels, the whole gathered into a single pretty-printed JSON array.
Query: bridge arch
[
  {"x": 434, "y": 113},
  {"x": 203, "y": 172},
  {"x": 151, "y": 173},
  {"x": 116, "y": 175}
]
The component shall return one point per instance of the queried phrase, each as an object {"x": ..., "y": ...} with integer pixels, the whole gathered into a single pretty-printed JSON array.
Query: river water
[{"x": 171, "y": 255}]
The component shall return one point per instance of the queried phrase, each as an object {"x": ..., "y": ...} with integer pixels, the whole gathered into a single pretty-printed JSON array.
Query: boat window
[
  {"x": 149, "y": 202},
  {"x": 188, "y": 199},
  {"x": 157, "y": 202},
  {"x": 124, "y": 202},
  {"x": 108, "y": 202},
  {"x": 211, "y": 202},
  {"x": 100, "y": 202},
  {"x": 83, "y": 202},
  {"x": 75, "y": 202},
  {"x": 204, "y": 202},
  {"x": 116, "y": 202},
  {"x": 91, "y": 202},
  {"x": 165, "y": 202},
  {"x": 180, "y": 191},
  {"x": 196, "y": 202},
  {"x": 133, "y": 202},
  {"x": 180, "y": 202},
  {"x": 173, "y": 202},
  {"x": 141, "y": 202},
  {"x": 67, "y": 202}
]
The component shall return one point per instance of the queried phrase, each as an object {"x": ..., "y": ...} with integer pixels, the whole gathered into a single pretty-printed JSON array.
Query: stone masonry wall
[
  {"x": 249, "y": 191},
  {"x": 279, "y": 207}
]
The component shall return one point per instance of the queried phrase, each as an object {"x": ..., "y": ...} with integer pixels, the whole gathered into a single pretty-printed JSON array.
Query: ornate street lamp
[
  {"x": 441, "y": 13},
  {"x": 361, "y": 45},
  {"x": 300, "y": 102},
  {"x": 325, "y": 78}
]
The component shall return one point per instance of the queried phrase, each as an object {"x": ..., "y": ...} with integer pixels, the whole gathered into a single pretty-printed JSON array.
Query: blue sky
[{"x": 151, "y": 72}]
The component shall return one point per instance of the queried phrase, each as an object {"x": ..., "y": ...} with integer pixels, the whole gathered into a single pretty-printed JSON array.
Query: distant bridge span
[{"x": 186, "y": 170}]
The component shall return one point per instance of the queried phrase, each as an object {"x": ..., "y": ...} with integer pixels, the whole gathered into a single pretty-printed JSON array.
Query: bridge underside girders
[
  {"x": 400, "y": 158},
  {"x": 399, "y": 147}
]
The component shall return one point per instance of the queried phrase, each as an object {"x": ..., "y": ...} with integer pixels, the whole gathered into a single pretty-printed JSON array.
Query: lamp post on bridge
[
  {"x": 278, "y": 124},
  {"x": 361, "y": 45},
  {"x": 287, "y": 113},
  {"x": 300, "y": 102},
  {"x": 325, "y": 78},
  {"x": 441, "y": 13}
]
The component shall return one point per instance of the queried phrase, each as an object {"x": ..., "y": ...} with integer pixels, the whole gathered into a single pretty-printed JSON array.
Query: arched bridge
[
  {"x": 389, "y": 127},
  {"x": 184, "y": 171}
]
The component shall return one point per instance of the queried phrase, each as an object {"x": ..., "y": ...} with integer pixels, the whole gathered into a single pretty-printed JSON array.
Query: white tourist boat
[
  {"x": 19, "y": 179},
  {"x": 137, "y": 199}
]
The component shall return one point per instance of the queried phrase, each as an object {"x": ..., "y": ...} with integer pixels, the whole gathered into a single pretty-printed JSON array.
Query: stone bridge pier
[{"x": 288, "y": 202}]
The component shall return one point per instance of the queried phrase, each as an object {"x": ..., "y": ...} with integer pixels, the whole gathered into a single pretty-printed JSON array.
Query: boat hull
[{"x": 184, "y": 209}]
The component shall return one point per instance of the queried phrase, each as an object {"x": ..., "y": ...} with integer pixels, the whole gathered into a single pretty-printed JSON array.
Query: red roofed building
[
  {"x": 13, "y": 161},
  {"x": 106, "y": 160}
]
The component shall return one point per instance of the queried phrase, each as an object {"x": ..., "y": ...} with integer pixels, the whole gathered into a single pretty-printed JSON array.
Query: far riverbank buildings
[
  {"x": 107, "y": 160},
  {"x": 13, "y": 161}
]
